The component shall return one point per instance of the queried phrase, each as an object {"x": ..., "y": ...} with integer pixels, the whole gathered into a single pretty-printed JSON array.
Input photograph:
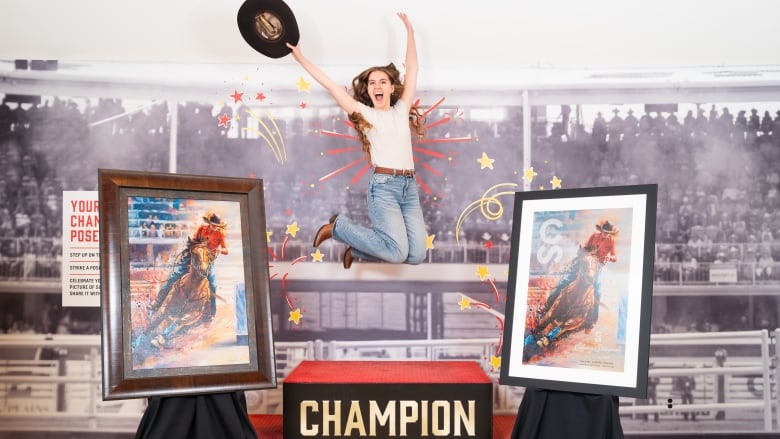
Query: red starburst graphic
[
  {"x": 260, "y": 97},
  {"x": 423, "y": 156},
  {"x": 237, "y": 97},
  {"x": 274, "y": 274}
]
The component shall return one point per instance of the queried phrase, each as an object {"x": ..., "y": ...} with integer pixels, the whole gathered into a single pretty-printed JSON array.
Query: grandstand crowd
[{"x": 717, "y": 170}]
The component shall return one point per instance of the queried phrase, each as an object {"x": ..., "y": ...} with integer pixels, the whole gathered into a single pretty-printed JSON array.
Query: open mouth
[{"x": 379, "y": 97}]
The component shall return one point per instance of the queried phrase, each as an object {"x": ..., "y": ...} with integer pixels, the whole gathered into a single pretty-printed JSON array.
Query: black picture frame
[
  {"x": 575, "y": 339},
  {"x": 198, "y": 340}
]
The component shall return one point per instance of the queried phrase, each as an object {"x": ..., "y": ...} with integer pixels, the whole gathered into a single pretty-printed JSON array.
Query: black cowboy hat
[
  {"x": 268, "y": 25},
  {"x": 214, "y": 219},
  {"x": 607, "y": 227}
]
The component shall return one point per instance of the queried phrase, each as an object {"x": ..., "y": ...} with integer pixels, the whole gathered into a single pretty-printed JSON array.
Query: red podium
[{"x": 340, "y": 399}]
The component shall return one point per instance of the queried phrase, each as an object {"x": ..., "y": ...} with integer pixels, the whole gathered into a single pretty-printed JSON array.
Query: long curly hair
[{"x": 360, "y": 94}]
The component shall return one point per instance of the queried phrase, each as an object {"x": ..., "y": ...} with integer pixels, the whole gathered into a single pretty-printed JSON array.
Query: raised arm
[
  {"x": 343, "y": 99},
  {"x": 410, "y": 78}
]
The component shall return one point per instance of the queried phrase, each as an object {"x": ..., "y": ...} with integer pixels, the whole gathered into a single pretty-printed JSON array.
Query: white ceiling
[
  {"x": 172, "y": 47},
  {"x": 451, "y": 34}
]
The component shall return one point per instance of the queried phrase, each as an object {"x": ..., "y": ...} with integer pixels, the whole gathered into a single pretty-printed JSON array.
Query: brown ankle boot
[
  {"x": 325, "y": 232},
  {"x": 348, "y": 258}
]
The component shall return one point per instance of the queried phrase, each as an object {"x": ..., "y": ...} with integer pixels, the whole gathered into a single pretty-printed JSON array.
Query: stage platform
[{"x": 388, "y": 398}]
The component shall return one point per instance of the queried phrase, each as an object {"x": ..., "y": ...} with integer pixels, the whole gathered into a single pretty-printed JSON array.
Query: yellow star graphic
[
  {"x": 464, "y": 303},
  {"x": 292, "y": 229},
  {"x": 429, "y": 241},
  {"x": 483, "y": 272},
  {"x": 485, "y": 161},
  {"x": 303, "y": 85},
  {"x": 529, "y": 174},
  {"x": 268, "y": 234},
  {"x": 495, "y": 362},
  {"x": 317, "y": 256},
  {"x": 295, "y": 316},
  {"x": 556, "y": 182}
]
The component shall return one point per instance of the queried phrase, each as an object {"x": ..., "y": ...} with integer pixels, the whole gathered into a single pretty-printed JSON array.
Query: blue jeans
[{"x": 397, "y": 233}]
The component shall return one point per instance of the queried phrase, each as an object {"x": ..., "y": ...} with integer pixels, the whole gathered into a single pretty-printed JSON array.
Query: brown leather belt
[{"x": 390, "y": 171}]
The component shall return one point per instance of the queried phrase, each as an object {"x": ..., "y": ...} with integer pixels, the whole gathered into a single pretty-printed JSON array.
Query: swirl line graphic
[{"x": 489, "y": 205}]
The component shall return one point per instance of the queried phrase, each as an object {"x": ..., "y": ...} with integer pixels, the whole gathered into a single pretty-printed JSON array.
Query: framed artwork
[
  {"x": 185, "y": 302},
  {"x": 580, "y": 290}
]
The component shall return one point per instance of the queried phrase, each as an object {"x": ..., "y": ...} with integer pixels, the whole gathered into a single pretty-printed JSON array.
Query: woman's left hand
[{"x": 406, "y": 21}]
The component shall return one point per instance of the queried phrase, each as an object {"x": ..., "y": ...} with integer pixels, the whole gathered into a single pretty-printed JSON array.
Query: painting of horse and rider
[
  {"x": 186, "y": 273},
  {"x": 578, "y": 289},
  {"x": 579, "y": 292}
]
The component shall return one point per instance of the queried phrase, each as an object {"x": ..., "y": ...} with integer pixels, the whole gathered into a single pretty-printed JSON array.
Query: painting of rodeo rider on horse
[
  {"x": 186, "y": 272},
  {"x": 578, "y": 289}
]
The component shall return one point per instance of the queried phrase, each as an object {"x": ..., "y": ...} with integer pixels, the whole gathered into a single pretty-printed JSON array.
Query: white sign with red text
[{"x": 80, "y": 249}]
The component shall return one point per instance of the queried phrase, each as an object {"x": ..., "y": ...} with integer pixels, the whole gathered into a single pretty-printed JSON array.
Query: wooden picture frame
[
  {"x": 210, "y": 330},
  {"x": 578, "y": 313}
]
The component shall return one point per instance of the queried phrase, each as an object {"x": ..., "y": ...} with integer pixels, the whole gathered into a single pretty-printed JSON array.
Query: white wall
[{"x": 451, "y": 34}]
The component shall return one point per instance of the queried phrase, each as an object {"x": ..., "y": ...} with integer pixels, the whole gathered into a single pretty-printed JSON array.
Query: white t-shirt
[{"x": 390, "y": 137}]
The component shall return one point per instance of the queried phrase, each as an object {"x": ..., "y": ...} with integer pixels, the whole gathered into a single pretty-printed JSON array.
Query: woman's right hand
[{"x": 296, "y": 52}]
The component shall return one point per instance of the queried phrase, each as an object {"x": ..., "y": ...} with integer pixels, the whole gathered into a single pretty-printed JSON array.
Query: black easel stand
[
  {"x": 550, "y": 414},
  {"x": 209, "y": 416}
]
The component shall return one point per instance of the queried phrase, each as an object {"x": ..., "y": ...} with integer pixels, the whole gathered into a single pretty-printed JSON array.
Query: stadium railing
[{"x": 35, "y": 397}]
